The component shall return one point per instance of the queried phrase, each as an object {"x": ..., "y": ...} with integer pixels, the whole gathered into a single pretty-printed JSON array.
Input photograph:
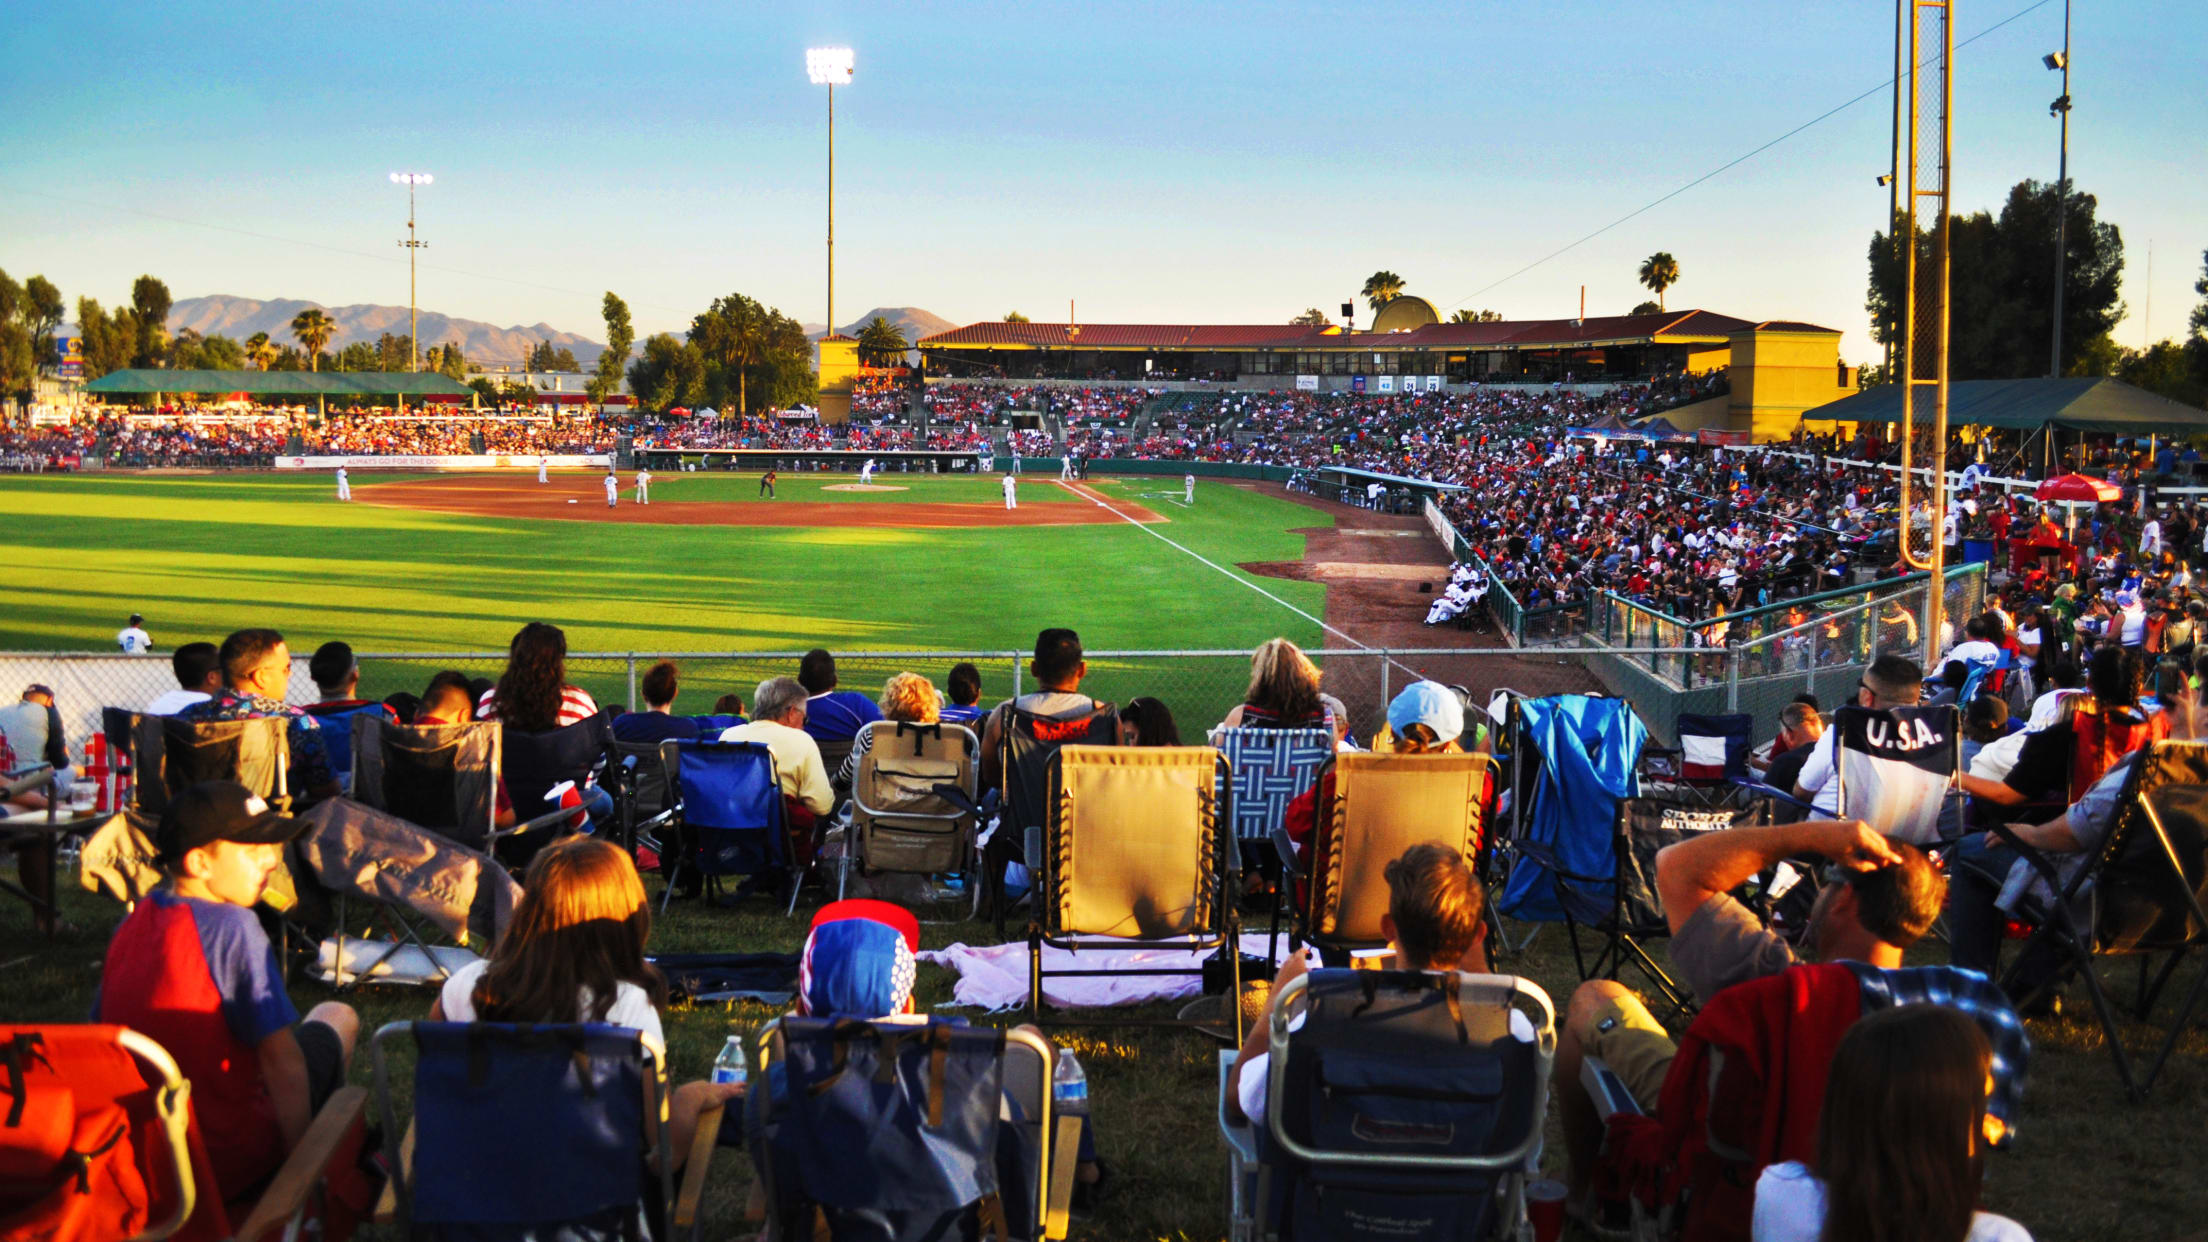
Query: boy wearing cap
[{"x": 192, "y": 969}]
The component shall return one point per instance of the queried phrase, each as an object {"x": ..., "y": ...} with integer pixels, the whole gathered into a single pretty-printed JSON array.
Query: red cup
[{"x": 1545, "y": 1209}]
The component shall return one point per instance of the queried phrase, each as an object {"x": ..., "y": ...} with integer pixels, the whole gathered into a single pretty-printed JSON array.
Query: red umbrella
[{"x": 2078, "y": 487}]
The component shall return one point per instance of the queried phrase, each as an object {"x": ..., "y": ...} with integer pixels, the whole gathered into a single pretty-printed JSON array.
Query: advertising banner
[
  {"x": 1307, "y": 383},
  {"x": 1387, "y": 383},
  {"x": 468, "y": 461}
]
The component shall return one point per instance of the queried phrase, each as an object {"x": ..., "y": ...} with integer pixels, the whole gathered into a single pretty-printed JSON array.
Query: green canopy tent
[
  {"x": 2034, "y": 407},
  {"x": 321, "y": 385}
]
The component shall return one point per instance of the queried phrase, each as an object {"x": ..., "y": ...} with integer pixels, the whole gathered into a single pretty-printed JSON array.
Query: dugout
[{"x": 394, "y": 388}]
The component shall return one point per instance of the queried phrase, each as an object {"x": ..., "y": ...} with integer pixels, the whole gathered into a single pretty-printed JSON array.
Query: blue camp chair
[
  {"x": 728, "y": 817},
  {"x": 1713, "y": 750},
  {"x": 337, "y": 736},
  {"x": 527, "y": 1131},
  {"x": 1400, "y": 1105},
  {"x": 1573, "y": 757},
  {"x": 1267, "y": 769}
]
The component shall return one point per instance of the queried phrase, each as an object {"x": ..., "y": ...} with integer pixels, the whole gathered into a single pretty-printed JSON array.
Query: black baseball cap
[{"x": 212, "y": 811}]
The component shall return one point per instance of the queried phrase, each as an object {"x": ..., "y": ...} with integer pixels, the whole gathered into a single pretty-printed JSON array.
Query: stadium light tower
[
  {"x": 413, "y": 314},
  {"x": 2061, "y": 110},
  {"x": 830, "y": 67}
]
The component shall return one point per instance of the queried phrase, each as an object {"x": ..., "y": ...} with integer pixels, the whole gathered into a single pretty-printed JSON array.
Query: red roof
[{"x": 1506, "y": 334}]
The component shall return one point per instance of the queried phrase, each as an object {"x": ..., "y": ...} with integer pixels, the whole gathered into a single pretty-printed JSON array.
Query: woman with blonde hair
[
  {"x": 906, "y": 697},
  {"x": 1283, "y": 693}
]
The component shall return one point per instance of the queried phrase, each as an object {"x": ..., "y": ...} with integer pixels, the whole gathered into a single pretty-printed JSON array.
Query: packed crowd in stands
[{"x": 1861, "y": 1091}]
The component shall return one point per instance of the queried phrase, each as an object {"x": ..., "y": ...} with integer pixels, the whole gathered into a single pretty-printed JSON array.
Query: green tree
[
  {"x": 485, "y": 390},
  {"x": 731, "y": 335},
  {"x": 543, "y": 357},
  {"x": 620, "y": 335},
  {"x": 1659, "y": 272},
  {"x": 182, "y": 351},
  {"x": 2164, "y": 367},
  {"x": 1468, "y": 315},
  {"x": 394, "y": 353},
  {"x": 2196, "y": 342},
  {"x": 42, "y": 312},
  {"x": 1381, "y": 288},
  {"x": 1312, "y": 317},
  {"x": 669, "y": 373},
  {"x": 314, "y": 328},
  {"x": 18, "y": 364},
  {"x": 2001, "y": 286},
  {"x": 1014, "y": 317},
  {"x": 881, "y": 344},
  {"x": 1646, "y": 308},
  {"x": 219, "y": 353},
  {"x": 110, "y": 340},
  {"x": 261, "y": 351},
  {"x": 149, "y": 305}
]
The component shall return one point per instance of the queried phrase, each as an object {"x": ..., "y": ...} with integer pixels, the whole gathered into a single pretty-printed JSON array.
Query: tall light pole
[
  {"x": 2060, "y": 109},
  {"x": 413, "y": 314},
  {"x": 830, "y": 67}
]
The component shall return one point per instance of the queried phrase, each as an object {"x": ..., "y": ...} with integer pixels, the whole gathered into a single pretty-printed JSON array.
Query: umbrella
[
  {"x": 2078, "y": 488},
  {"x": 678, "y": 412}
]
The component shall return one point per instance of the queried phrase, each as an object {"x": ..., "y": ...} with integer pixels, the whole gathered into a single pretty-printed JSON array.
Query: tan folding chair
[
  {"x": 1383, "y": 805},
  {"x": 899, "y": 822},
  {"x": 1137, "y": 854}
]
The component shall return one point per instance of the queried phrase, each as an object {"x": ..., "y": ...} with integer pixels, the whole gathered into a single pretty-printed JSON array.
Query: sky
[{"x": 1178, "y": 163}]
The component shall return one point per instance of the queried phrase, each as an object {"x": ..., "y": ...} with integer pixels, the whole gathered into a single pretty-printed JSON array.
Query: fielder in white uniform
[
  {"x": 866, "y": 472},
  {"x": 643, "y": 486},
  {"x": 1188, "y": 489},
  {"x": 1011, "y": 493},
  {"x": 1065, "y": 468},
  {"x": 542, "y": 462},
  {"x": 613, "y": 489},
  {"x": 344, "y": 485}
]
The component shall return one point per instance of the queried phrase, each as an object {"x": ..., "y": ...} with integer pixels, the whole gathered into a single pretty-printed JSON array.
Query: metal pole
[
  {"x": 2062, "y": 197},
  {"x": 632, "y": 681},
  {"x": 831, "y": 209},
  {"x": 1902, "y": 70},
  {"x": 413, "y": 308}
]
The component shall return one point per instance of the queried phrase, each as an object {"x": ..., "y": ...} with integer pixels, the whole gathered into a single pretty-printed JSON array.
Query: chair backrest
[
  {"x": 1383, "y": 805},
  {"x": 1031, "y": 742},
  {"x": 904, "y": 825},
  {"x": 1268, "y": 769},
  {"x": 943, "y": 1124},
  {"x": 1572, "y": 757},
  {"x": 1714, "y": 748},
  {"x": 1135, "y": 846},
  {"x": 2150, "y": 881},
  {"x": 520, "y": 1130},
  {"x": 96, "y": 1140},
  {"x": 1404, "y": 1105},
  {"x": 1895, "y": 767},
  {"x": 1646, "y": 826},
  {"x": 732, "y": 800},
  {"x": 337, "y": 732},
  {"x": 167, "y": 754},
  {"x": 440, "y": 777},
  {"x": 533, "y": 763},
  {"x": 647, "y": 784}
]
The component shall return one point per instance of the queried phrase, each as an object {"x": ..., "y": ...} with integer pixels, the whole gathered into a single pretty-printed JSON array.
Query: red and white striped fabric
[
  {"x": 1702, "y": 757},
  {"x": 575, "y": 705}
]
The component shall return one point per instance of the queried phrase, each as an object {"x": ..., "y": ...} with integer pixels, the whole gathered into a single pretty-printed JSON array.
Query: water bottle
[
  {"x": 1069, "y": 1085},
  {"x": 732, "y": 1065}
]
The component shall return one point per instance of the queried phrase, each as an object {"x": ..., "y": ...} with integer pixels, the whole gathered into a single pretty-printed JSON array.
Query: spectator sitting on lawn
[
  {"x": 198, "y": 671},
  {"x": 1147, "y": 722},
  {"x": 657, "y": 722},
  {"x": 778, "y": 710},
  {"x": 256, "y": 674},
  {"x": 533, "y": 694},
  {"x": 907, "y": 697},
  {"x": 191, "y": 968},
  {"x": 1283, "y": 693},
  {"x": 1058, "y": 668},
  {"x": 336, "y": 674},
  {"x": 965, "y": 695},
  {"x": 449, "y": 702},
  {"x": 832, "y": 715}
]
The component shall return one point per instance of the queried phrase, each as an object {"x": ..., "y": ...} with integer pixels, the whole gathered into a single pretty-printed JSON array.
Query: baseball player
[
  {"x": 1188, "y": 489},
  {"x": 542, "y": 463},
  {"x": 1011, "y": 493},
  {"x": 1065, "y": 468},
  {"x": 344, "y": 485},
  {"x": 132, "y": 639},
  {"x": 766, "y": 484},
  {"x": 643, "y": 486},
  {"x": 613, "y": 488},
  {"x": 866, "y": 471}
]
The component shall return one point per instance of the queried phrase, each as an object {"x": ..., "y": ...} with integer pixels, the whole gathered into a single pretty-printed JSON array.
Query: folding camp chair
[
  {"x": 534, "y": 764},
  {"x": 443, "y": 778},
  {"x": 527, "y": 1131},
  {"x": 1895, "y": 769},
  {"x": 1383, "y": 804},
  {"x": 900, "y": 823},
  {"x": 337, "y": 735},
  {"x": 934, "y": 1130},
  {"x": 1268, "y": 769},
  {"x": 1572, "y": 758},
  {"x": 2140, "y": 894},
  {"x": 98, "y": 1142},
  {"x": 1623, "y": 907},
  {"x": 641, "y": 794},
  {"x": 1029, "y": 742},
  {"x": 728, "y": 817},
  {"x": 1135, "y": 856},
  {"x": 1400, "y": 1105},
  {"x": 1713, "y": 750},
  {"x": 167, "y": 754}
]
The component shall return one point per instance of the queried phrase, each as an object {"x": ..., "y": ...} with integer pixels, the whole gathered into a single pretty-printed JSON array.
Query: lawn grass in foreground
[{"x": 2085, "y": 1165}]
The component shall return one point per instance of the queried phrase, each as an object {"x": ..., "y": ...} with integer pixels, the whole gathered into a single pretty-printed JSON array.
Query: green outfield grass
[{"x": 980, "y": 489}]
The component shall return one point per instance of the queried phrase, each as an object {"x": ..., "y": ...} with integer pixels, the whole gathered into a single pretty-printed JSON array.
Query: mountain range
[{"x": 484, "y": 344}]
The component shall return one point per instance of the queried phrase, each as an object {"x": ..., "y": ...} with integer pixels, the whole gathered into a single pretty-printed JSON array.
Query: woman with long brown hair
[
  {"x": 1901, "y": 1144},
  {"x": 1283, "y": 693},
  {"x": 533, "y": 694}
]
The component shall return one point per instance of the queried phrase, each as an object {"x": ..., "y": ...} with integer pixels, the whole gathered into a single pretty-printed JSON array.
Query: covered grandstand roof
[
  {"x": 1667, "y": 327},
  {"x": 283, "y": 383},
  {"x": 2078, "y": 404}
]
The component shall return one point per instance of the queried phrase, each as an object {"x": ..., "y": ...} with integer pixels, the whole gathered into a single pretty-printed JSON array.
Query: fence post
[
  {"x": 1015, "y": 674},
  {"x": 1732, "y": 680},
  {"x": 1385, "y": 697},
  {"x": 632, "y": 681}
]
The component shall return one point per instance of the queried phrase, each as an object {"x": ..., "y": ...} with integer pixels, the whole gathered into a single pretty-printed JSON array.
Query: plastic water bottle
[
  {"x": 1069, "y": 1084},
  {"x": 732, "y": 1065}
]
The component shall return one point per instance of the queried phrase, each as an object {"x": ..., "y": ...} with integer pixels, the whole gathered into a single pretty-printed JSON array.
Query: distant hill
[
  {"x": 483, "y": 343},
  {"x": 911, "y": 320}
]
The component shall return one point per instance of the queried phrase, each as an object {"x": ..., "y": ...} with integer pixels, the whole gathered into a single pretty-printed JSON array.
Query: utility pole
[
  {"x": 411, "y": 244},
  {"x": 830, "y": 67},
  {"x": 2060, "y": 109}
]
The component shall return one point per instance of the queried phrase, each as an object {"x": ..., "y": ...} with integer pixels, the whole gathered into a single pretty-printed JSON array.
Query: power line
[{"x": 1735, "y": 161}]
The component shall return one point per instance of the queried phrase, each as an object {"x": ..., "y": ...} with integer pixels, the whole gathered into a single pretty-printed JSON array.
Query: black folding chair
[
  {"x": 1027, "y": 745},
  {"x": 168, "y": 754},
  {"x": 2140, "y": 894},
  {"x": 536, "y": 763}
]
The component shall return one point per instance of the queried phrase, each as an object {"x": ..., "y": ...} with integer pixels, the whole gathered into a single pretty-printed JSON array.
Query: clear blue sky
[{"x": 1170, "y": 162}]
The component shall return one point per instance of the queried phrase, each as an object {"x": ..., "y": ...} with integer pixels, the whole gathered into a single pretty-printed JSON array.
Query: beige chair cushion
[
  {"x": 1383, "y": 805},
  {"x": 1136, "y": 841}
]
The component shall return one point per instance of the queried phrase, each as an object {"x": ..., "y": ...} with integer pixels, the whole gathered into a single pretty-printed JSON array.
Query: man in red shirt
[{"x": 191, "y": 969}]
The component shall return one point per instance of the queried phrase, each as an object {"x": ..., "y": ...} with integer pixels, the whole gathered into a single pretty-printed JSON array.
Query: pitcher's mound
[{"x": 863, "y": 487}]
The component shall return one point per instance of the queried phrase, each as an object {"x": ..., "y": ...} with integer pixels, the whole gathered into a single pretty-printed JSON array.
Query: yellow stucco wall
[
  {"x": 1778, "y": 373},
  {"x": 839, "y": 370}
]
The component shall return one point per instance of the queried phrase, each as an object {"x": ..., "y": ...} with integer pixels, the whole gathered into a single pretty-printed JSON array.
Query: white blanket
[{"x": 995, "y": 976}]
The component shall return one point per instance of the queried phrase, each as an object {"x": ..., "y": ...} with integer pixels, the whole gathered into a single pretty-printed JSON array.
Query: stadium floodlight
[
  {"x": 2059, "y": 62},
  {"x": 412, "y": 181},
  {"x": 830, "y": 67}
]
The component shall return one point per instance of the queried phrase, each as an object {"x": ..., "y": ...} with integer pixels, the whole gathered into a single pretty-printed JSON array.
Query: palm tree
[
  {"x": 261, "y": 350},
  {"x": 880, "y": 343},
  {"x": 1382, "y": 288},
  {"x": 314, "y": 329},
  {"x": 1468, "y": 315},
  {"x": 1660, "y": 272}
]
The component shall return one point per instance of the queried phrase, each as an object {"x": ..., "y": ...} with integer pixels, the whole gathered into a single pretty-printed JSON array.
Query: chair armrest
[
  {"x": 387, "y": 1203},
  {"x": 335, "y": 1132},
  {"x": 1065, "y": 1162},
  {"x": 2038, "y": 861},
  {"x": 694, "y": 1167},
  {"x": 1286, "y": 849},
  {"x": 1606, "y": 1090},
  {"x": 549, "y": 819}
]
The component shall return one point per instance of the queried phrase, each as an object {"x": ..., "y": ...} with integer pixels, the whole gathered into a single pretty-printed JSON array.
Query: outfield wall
[{"x": 446, "y": 461}]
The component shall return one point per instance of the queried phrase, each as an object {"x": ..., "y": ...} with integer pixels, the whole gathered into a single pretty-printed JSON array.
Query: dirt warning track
[{"x": 521, "y": 496}]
